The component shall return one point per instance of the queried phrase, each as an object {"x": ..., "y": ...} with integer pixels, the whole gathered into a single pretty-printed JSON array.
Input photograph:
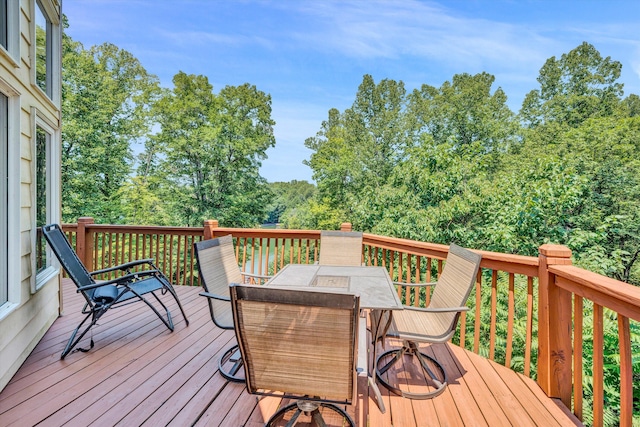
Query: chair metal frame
[
  {"x": 224, "y": 244},
  {"x": 272, "y": 299},
  {"x": 411, "y": 338},
  {"x": 101, "y": 296}
]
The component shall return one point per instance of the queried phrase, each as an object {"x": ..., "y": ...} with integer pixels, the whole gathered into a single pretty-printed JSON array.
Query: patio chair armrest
[
  {"x": 259, "y": 276},
  {"x": 214, "y": 296},
  {"x": 423, "y": 285},
  {"x": 255, "y": 278},
  {"x": 438, "y": 310},
  {"x": 124, "y": 267}
]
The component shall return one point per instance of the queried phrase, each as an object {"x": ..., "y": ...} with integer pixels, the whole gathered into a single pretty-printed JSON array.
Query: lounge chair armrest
[
  {"x": 124, "y": 267},
  {"x": 91, "y": 286},
  {"x": 214, "y": 296},
  {"x": 423, "y": 285},
  {"x": 122, "y": 280}
]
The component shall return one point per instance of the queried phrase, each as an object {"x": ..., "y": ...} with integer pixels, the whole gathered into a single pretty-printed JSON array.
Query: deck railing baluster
[{"x": 577, "y": 355}]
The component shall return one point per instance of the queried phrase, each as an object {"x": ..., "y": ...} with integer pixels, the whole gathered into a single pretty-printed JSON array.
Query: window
[
  {"x": 9, "y": 31},
  {"x": 4, "y": 184},
  {"x": 46, "y": 196},
  {"x": 4, "y": 23},
  {"x": 43, "y": 50},
  {"x": 46, "y": 51},
  {"x": 43, "y": 142}
]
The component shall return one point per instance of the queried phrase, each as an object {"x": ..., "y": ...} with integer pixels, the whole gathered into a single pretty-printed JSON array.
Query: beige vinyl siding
[{"x": 29, "y": 313}]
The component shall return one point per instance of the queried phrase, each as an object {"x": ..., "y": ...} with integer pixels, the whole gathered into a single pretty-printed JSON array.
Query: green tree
[
  {"x": 106, "y": 97},
  {"x": 579, "y": 85},
  {"x": 356, "y": 151},
  {"x": 288, "y": 197},
  {"x": 607, "y": 235},
  {"x": 211, "y": 147},
  {"x": 463, "y": 115},
  {"x": 332, "y": 161}
]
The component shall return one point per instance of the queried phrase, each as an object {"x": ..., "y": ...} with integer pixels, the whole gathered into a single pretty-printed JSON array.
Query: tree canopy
[
  {"x": 438, "y": 163},
  {"x": 454, "y": 163}
]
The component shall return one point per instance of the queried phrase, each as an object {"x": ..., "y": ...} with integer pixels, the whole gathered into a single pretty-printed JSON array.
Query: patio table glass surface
[{"x": 372, "y": 284}]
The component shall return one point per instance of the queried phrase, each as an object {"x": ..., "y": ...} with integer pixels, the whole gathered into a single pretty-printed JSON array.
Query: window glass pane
[
  {"x": 43, "y": 55},
  {"x": 42, "y": 145},
  {"x": 4, "y": 201},
  {"x": 4, "y": 21}
]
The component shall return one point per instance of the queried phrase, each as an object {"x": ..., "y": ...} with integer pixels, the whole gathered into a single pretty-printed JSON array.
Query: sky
[{"x": 311, "y": 55}]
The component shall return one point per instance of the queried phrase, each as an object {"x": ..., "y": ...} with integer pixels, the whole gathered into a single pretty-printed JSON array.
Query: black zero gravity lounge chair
[{"x": 101, "y": 296}]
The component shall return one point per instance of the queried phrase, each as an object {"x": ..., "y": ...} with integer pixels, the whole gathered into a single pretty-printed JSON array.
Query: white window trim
[
  {"x": 56, "y": 55},
  {"x": 13, "y": 195},
  {"x": 53, "y": 197},
  {"x": 12, "y": 53}
]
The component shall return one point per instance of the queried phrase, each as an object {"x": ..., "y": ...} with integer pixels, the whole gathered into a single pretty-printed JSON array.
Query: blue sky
[{"x": 310, "y": 55}]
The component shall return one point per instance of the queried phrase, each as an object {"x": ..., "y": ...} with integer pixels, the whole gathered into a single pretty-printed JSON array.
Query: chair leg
[
  {"x": 231, "y": 355},
  {"x": 312, "y": 410},
  {"x": 168, "y": 322},
  {"x": 439, "y": 381},
  {"x": 170, "y": 289},
  {"x": 73, "y": 340}
]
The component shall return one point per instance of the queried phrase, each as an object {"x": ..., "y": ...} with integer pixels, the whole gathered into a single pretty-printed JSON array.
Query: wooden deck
[{"x": 139, "y": 373}]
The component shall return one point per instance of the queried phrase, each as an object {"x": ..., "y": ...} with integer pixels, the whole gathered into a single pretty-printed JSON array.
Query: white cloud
[{"x": 382, "y": 29}]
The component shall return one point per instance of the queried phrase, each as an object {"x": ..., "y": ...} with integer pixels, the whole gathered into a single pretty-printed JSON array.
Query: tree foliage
[
  {"x": 211, "y": 147},
  {"x": 289, "y": 198},
  {"x": 106, "y": 97},
  {"x": 460, "y": 166}
]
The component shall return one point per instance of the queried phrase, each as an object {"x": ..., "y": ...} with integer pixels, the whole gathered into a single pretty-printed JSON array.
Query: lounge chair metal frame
[
  {"x": 447, "y": 303},
  {"x": 309, "y": 325},
  {"x": 104, "y": 295}
]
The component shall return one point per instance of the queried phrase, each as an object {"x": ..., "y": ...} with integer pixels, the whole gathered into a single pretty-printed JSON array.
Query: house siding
[{"x": 29, "y": 312}]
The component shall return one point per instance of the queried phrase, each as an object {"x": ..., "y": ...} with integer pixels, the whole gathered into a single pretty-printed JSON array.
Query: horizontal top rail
[
  {"x": 272, "y": 233},
  {"x": 605, "y": 291},
  {"x": 144, "y": 229},
  {"x": 509, "y": 263}
]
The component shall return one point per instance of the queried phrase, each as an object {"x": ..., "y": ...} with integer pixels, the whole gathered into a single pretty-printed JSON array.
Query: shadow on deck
[{"x": 139, "y": 373}]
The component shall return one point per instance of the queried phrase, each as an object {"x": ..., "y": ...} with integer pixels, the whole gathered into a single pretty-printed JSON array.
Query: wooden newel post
[
  {"x": 345, "y": 226},
  {"x": 209, "y": 228},
  {"x": 84, "y": 242},
  {"x": 554, "y": 326}
]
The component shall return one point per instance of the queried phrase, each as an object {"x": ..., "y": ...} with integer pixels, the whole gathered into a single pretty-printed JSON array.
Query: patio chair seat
[
  {"x": 434, "y": 324},
  {"x": 217, "y": 269},
  {"x": 340, "y": 248},
  {"x": 299, "y": 344}
]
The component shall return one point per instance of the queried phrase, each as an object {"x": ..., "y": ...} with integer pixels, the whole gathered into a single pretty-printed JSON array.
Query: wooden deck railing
[{"x": 521, "y": 314}]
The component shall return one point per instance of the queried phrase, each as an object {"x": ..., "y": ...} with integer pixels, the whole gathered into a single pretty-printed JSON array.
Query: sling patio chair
[
  {"x": 434, "y": 324},
  {"x": 340, "y": 248},
  {"x": 138, "y": 278},
  {"x": 217, "y": 269},
  {"x": 299, "y": 344}
]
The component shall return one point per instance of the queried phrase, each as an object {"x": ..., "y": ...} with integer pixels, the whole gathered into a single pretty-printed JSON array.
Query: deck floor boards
[{"x": 139, "y": 373}]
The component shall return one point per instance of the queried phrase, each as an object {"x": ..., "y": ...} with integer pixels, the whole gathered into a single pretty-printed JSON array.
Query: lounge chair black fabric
[{"x": 103, "y": 295}]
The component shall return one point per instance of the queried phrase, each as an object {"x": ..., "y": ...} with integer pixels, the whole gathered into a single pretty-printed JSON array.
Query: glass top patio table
[{"x": 373, "y": 284}]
